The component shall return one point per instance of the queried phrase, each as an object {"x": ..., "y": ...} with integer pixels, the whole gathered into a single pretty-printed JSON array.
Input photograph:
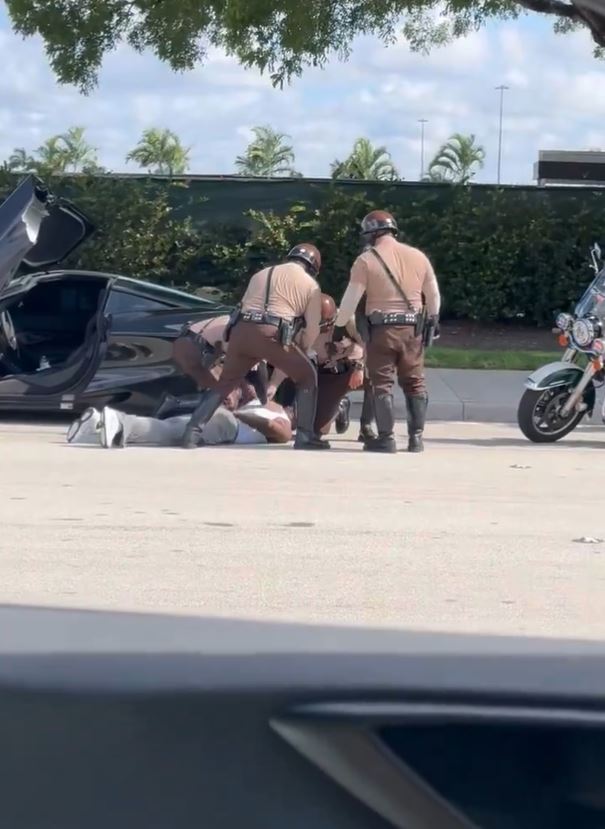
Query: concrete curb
[
  {"x": 455, "y": 412},
  {"x": 464, "y": 395}
]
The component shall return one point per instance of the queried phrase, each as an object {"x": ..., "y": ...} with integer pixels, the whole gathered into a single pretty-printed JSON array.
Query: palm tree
[
  {"x": 267, "y": 155},
  {"x": 58, "y": 154},
  {"x": 20, "y": 161},
  {"x": 458, "y": 160},
  {"x": 79, "y": 153},
  {"x": 366, "y": 162},
  {"x": 161, "y": 151},
  {"x": 52, "y": 157}
]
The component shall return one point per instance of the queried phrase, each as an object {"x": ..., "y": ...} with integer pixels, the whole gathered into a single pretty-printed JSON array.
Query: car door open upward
[{"x": 55, "y": 386}]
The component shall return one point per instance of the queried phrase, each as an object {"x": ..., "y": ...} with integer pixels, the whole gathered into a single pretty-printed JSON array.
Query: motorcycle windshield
[{"x": 593, "y": 301}]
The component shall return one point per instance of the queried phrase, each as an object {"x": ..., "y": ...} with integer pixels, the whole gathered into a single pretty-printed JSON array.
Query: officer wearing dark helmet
[
  {"x": 402, "y": 303},
  {"x": 278, "y": 321}
]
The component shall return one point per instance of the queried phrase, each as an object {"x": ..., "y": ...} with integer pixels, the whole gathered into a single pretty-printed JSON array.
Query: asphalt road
[{"x": 475, "y": 535}]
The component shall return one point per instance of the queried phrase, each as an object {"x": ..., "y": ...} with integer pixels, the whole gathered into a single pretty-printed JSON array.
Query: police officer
[
  {"x": 198, "y": 352},
  {"x": 395, "y": 278},
  {"x": 340, "y": 368},
  {"x": 279, "y": 302},
  {"x": 199, "y": 347}
]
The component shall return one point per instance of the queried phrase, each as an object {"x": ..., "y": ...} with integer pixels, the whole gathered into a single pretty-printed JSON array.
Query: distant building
[{"x": 586, "y": 167}]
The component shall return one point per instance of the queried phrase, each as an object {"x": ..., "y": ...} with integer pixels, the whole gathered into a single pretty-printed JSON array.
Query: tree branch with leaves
[{"x": 281, "y": 37}]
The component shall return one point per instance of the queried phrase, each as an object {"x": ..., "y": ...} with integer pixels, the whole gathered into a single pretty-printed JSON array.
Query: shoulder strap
[
  {"x": 396, "y": 284},
  {"x": 268, "y": 289}
]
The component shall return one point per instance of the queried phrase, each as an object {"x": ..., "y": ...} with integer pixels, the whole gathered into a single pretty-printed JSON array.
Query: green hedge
[{"x": 500, "y": 254}]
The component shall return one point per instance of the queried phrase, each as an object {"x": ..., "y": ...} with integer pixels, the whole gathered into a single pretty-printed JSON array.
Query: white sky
[{"x": 556, "y": 101}]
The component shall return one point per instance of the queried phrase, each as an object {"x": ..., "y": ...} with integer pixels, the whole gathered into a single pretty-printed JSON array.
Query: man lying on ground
[{"x": 251, "y": 423}]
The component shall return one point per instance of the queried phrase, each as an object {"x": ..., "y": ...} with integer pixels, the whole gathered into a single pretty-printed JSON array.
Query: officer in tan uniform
[
  {"x": 199, "y": 347},
  {"x": 281, "y": 304},
  {"x": 340, "y": 368},
  {"x": 198, "y": 352},
  {"x": 395, "y": 278}
]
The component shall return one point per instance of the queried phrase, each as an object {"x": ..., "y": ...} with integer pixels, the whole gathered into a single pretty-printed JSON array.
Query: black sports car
[{"x": 71, "y": 339}]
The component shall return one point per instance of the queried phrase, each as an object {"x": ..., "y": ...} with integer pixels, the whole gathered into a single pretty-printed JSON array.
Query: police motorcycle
[{"x": 558, "y": 395}]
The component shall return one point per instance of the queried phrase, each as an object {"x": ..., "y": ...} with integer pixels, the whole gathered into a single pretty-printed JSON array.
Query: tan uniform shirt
[
  {"x": 346, "y": 349},
  {"x": 211, "y": 330},
  {"x": 294, "y": 293},
  {"x": 410, "y": 267}
]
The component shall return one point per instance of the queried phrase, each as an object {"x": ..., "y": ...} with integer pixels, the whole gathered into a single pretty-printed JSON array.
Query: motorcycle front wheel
[{"x": 539, "y": 415}]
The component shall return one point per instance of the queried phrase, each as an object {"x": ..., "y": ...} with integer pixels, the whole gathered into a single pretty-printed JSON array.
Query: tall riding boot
[
  {"x": 209, "y": 403},
  {"x": 366, "y": 432},
  {"x": 306, "y": 407},
  {"x": 385, "y": 420},
  {"x": 417, "y": 407},
  {"x": 342, "y": 420},
  {"x": 259, "y": 380},
  {"x": 169, "y": 405}
]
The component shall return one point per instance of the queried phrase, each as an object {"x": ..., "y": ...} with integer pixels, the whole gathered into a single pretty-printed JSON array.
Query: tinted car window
[
  {"x": 122, "y": 302},
  {"x": 511, "y": 776}
]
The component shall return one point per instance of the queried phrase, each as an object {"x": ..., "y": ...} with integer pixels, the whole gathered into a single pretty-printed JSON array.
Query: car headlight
[
  {"x": 583, "y": 332},
  {"x": 564, "y": 322}
]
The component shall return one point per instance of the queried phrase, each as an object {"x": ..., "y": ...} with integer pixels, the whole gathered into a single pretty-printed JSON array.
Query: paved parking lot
[{"x": 477, "y": 534}]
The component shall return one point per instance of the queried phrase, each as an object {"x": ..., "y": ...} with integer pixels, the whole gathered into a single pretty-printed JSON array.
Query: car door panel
[
  {"x": 56, "y": 387},
  {"x": 149, "y": 722}
]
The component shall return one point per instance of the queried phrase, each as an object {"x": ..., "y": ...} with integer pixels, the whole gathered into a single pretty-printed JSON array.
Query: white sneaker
[
  {"x": 86, "y": 428},
  {"x": 112, "y": 435}
]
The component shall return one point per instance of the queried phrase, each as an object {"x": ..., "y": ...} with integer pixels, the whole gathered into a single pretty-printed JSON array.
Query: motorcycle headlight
[
  {"x": 583, "y": 332},
  {"x": 564, "y": 322},
  {"x": 598, "y": 347}
]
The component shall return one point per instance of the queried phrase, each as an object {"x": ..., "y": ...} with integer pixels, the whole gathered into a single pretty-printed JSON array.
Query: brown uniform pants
[
  {"x": 189, "y": 356},
  {"x": 394, "y": 348},
  {"x": 249, "y": 344},
  {"x": 331, "y": 389}
]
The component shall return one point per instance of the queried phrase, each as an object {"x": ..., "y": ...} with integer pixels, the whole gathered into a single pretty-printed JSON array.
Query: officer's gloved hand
[{"x": 436, "y": 327}]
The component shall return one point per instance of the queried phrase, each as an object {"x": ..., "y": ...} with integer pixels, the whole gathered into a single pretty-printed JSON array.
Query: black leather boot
[
  {"x": 342, "y": 420},
  {"x": 306, "y": 407},
  {"x": 259, "y": 380},
  {"x": 385, "y": 420},
  {"x": 209, "y": 403},
  {"x": 168, "y": 405},
  {"x": 366, "y": 432},
  {"x": 417, "y": 407}
]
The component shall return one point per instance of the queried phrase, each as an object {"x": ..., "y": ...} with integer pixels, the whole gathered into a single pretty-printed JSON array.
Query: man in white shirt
[{"x": 252, "y": 423}]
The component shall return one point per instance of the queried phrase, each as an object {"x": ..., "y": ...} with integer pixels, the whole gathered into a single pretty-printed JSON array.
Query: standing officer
[
  {"x": 279, "y": 301},
  {"x": 395, "y": 278}
]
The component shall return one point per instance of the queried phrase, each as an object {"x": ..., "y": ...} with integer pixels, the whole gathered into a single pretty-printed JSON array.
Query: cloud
[{"x": 553, "y": 100}]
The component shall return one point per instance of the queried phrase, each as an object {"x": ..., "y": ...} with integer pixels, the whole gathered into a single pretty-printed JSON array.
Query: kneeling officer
[{"x": 278, "y": 321}]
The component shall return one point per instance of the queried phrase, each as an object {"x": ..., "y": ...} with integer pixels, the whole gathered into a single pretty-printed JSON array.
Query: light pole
[
  {"x": 501, "y": 89},
  {"x": 422, "y": 122}
]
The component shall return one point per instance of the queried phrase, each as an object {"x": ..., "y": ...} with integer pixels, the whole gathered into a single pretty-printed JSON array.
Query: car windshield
[{"x": 593, "y": 301}]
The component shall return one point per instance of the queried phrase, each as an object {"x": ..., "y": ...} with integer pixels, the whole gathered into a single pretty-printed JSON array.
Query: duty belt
[
  {"x": 261, "y": 318},
  {"x": 380, "y": 318}
]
